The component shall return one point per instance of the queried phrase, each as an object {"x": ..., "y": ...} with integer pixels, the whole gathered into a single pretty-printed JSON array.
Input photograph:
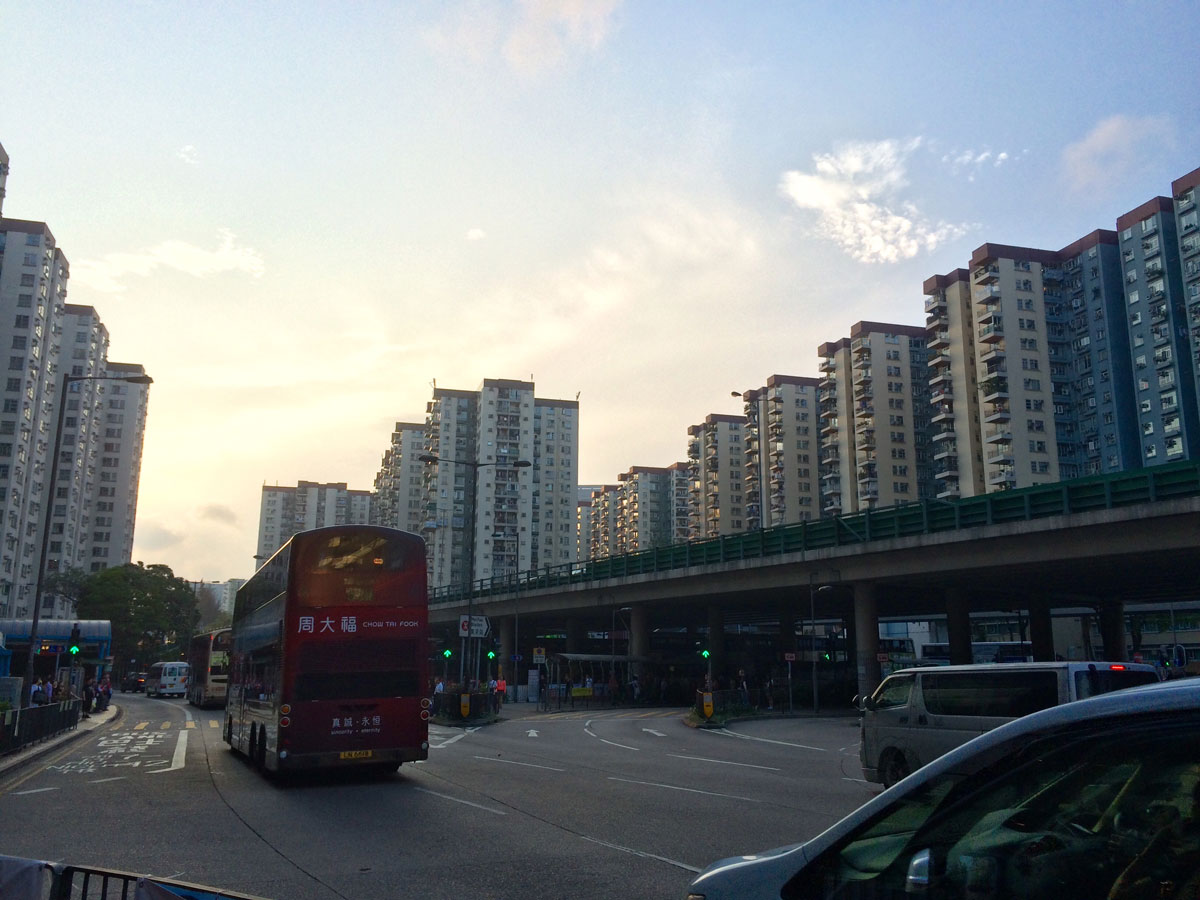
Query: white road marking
[
  {"x": 747, "y": 737},
  {"x": 513, "y": 762},
  {"x": 642, "y": 853},
  {"x": 498, "y": 812},
  {"x": 178, "y": 760},
  {"x": 724, "y": 762},
  {"x": 673, "y": 787}
]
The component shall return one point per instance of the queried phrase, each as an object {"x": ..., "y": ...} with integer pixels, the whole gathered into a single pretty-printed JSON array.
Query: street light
[
  {"x": 469, "y": 548},
  {"x": 813, "y": 590},
  {"x": 47, "y": 514}
]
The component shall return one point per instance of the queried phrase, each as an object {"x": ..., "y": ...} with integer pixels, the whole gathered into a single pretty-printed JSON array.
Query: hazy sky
[{"x": 297, "y": 215}]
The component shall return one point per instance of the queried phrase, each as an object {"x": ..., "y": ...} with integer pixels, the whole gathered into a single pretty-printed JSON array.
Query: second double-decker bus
[
  {"x": 329, "y": 656},
  {"x": 208, "y": 656}
]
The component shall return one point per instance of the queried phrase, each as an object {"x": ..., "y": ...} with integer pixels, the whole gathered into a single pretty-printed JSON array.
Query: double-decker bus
[
  {"x": 329, "y": 655},
  {"x": 208, "y": 656}
]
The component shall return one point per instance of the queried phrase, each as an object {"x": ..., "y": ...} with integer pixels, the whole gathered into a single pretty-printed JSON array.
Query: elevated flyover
[{"x": 1105, "y": 543}]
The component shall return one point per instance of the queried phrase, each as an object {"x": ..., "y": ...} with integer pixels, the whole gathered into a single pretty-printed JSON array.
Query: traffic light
[{"x": 75, "y": 644}]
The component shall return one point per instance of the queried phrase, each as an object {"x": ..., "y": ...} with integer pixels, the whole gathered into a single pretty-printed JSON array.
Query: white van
[
  {"x": 167, "y": 679},
  {"x": 916, "y": 715}
]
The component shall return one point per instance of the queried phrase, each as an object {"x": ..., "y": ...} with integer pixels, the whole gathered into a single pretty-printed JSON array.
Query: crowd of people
[{"x": 97, "y": 693}]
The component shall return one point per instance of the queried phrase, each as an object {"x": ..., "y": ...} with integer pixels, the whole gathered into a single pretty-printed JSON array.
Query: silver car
[{"x": 1099, "y": 798}]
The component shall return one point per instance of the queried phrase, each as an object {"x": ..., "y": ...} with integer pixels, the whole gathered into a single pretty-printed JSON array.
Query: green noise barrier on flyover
[{"x": 1168, "y": 482}]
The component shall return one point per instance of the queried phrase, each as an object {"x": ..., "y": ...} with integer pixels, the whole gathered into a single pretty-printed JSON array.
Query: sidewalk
[{"x": 31, "y": 753}]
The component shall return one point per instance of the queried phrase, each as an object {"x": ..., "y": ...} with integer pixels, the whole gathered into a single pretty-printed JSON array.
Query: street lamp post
[
  {"x": 47, "y": 515},
  {"x": 813, "y": 590},
  {"x": 469, "y": 547}
]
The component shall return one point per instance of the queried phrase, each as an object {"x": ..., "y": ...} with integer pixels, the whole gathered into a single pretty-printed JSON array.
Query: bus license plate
[{"x": 356, "y": 754}]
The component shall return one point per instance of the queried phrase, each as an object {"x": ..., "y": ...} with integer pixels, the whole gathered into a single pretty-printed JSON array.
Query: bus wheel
[{"x": 893, "y": 767}]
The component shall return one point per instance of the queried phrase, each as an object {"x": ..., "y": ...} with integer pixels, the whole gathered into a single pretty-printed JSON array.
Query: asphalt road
[{"x": 603, "y": 803}]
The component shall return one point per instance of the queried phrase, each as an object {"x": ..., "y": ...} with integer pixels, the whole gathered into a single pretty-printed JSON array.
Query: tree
[{"x": 153, "y": 613}]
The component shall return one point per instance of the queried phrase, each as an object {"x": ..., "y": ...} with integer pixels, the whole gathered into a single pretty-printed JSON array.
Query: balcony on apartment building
[{"x": 986, "y": 274}]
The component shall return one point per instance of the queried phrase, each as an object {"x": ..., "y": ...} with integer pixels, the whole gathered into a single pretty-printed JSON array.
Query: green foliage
[{"x": 153, "y": 613}]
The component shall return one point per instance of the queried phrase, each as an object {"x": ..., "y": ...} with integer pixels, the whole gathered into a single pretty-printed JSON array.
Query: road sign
[
  {"x": 789, "y": 657},
  {"x": 481, "y": 626}
]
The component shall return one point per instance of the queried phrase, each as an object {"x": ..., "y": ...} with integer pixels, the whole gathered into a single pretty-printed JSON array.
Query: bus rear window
[{"x": 356, "y": 670}]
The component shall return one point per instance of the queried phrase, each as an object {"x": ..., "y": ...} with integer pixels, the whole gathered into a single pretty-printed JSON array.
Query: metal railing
[
  {"x": 1098, "y": 492},
  {"x": 22, "y": 727}
]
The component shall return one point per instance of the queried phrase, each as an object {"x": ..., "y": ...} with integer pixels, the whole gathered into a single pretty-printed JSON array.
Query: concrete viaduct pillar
[
  {"x": 507, "y": 649},
  {"x": 1112, "y": 630},
  {"x": 574, "y": 632},
  {"x": 639, "y": 638},
  {"x": 958, "y": 624},
  {"x": 1041, "y": 630},
  {"x": 866, "y": 636}
]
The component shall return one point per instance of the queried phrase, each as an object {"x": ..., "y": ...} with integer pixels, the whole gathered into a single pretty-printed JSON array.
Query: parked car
[
  {"x": 1098, "y": 798},
  {"x": 133, "y": 681}
]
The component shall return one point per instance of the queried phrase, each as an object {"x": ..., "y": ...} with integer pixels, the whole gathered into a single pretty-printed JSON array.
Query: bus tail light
[
  {"x": 424, "y": 715},
  {"x": 284, "y": 721}
]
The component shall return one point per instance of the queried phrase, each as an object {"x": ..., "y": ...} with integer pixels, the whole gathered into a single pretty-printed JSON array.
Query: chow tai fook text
[{"x": 342, "y": 625}]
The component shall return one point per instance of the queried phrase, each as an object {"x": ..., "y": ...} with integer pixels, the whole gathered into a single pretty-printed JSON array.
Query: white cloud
[
  {"x": 855, "y": 193},
  {"x": 188, "y": 155},
  {"x": 540, "y": 35},
  {"x": 1114, "y": 148},
  {"x": 106, "y": 275},
  {"x": 476, "y": 234}
]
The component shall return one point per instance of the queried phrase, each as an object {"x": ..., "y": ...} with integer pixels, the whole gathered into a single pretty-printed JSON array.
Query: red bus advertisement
[
  {"x": 329, "y": 656},
  {"x": 208, "y": 657}
]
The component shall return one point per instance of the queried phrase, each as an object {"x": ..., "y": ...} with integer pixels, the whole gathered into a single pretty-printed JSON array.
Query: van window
[
  {"x": 894, "y": 692},
  {"x": 1007, "y": 694},
  {"x": 1095, "y": 681}
]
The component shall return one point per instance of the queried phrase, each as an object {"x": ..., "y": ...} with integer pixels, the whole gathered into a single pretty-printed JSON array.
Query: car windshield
[{"x": 1072, "y": 814}]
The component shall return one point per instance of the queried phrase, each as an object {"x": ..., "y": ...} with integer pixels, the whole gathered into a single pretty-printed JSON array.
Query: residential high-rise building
[
  {"x": 121, "y": 430},
  {"x": 1188, "y": 230},
  {"x": 283, "y": 511},
  {"x": 485, "y": 515},
  {"x": 91, "y": 515},
  {"x": 716, "y": 467},
  {"x": 782, "y": 480},
  {"x": 398, "y": 498},
  {"x": 1164, "y": 377},
  {"x": 956, "y": 440},
  {"x": 875, "y": 418}
]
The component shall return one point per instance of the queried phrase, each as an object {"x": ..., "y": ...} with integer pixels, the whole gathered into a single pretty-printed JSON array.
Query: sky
[{"x": 298, "y": 216}]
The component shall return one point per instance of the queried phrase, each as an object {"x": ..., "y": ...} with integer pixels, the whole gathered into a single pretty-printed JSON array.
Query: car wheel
[{"x": 893, "y": 767}]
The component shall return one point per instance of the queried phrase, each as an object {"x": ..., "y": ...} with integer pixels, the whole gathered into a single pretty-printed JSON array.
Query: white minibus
[
  {"x": 167, "y": 679},
  {"x": 916, "y": 715}
]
